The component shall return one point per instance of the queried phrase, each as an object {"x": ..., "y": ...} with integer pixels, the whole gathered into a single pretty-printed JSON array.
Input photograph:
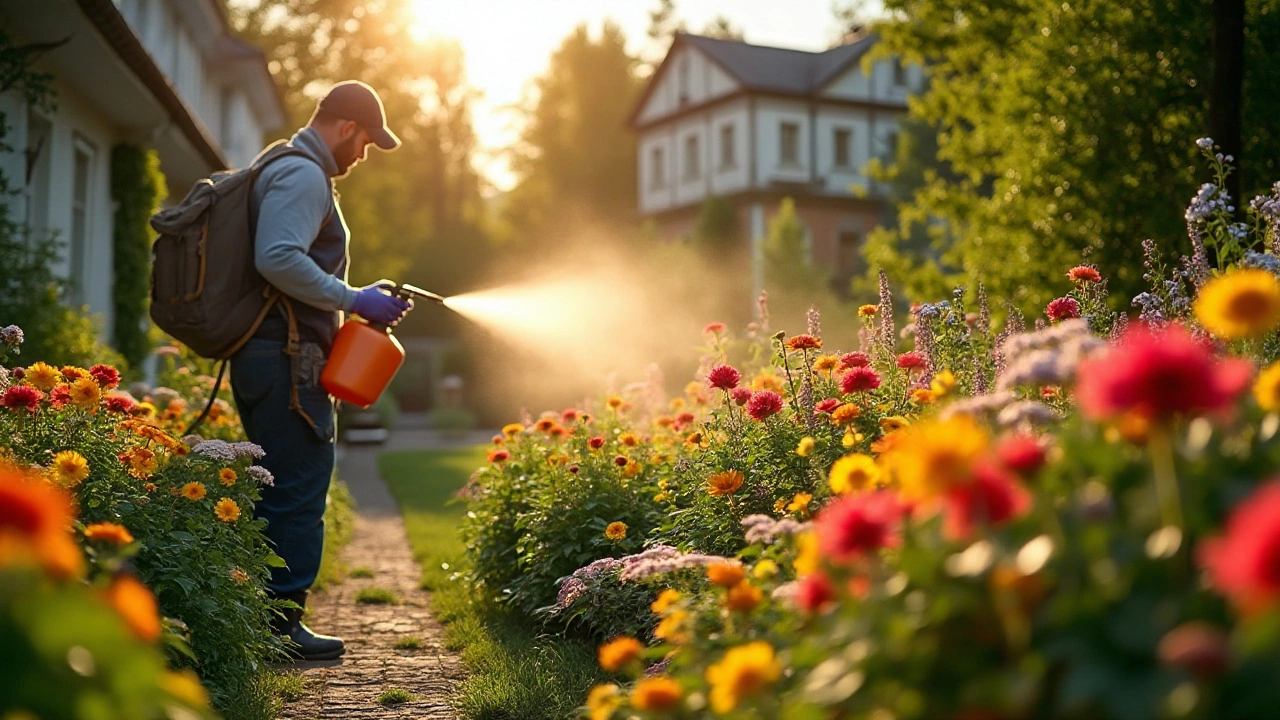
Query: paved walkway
[{"x": 350, "y": 687}]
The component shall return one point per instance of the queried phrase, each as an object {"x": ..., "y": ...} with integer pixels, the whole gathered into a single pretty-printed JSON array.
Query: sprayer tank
[{"x": 361, "y": 364}]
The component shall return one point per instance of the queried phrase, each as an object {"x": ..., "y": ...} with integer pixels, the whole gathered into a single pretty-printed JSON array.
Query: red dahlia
[
  {"x": 121, "y": 404},
  {"x": 1063, "y": 308},
  {"x": 859, "y": 379},
  {"x": 853, "y": 360},
  {"x": 911, "y": 360},
  {"x": 1023, "y": 454},
  {"x": 815, "y": 593},
  {"x": 740, "y": 396},
  {"x": 827, "y": 406},
  {"x": 992, "y": 497},
  {"x": 763, "y": 404},
  {"x": 1083, "y": 274},
  {"x": 22, "y": 396},
  {"x": 723, "y": 377},
  {"x": 106, "y": 376}
]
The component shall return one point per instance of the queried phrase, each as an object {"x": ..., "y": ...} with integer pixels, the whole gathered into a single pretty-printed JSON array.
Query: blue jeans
[{"x": 299, "y": 456}]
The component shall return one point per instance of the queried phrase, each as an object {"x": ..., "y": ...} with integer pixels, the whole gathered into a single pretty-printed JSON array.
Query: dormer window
[
  {"x": 657, "y": 169},
  {"x": 684, "y": 80},
  {"x": 899, "y": 73}
]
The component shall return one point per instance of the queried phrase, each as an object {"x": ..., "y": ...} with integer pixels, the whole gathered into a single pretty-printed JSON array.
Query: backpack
[{"x": 205, "y": 290}]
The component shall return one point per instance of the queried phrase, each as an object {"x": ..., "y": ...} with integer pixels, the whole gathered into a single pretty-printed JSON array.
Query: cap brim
[{"x": 384, "y": 138}]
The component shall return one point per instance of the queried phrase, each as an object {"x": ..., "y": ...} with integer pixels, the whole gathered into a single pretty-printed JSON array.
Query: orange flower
[
  {"x": 616, "y": 531},
  {"x": 844, "y": 414},
  {"x": 726, "y": 573},
  {"x": 614, "y": 402},
  {"x": 34, "y": 516},
  {"x": 867, "y": 311},
  {"x": 826, "y": 363},
  {"x": 227, "y": 476},
  {"x": 136, "y": 605},
  {"x": 42, "y": 376},
  {"x": 73, "y": 373},
  {"x": 194, "y": 491},
  {"x": 743, "y": 597},
  {"x": 619, "y": 652},
  {"x": 804, "y": 342},
  {"x": 85, "y": 393},
  {"x": 672, "y": 628},
  {"x": 227, "y": 510},
  {"x": 69, "y": 468},
  {"x": 725, "y": 483},
  {"x": 628, "y": 439},
  {"x": 109, "y": 532},
  {"x": 656, "y": 693},
  {"x": 665, "y": 600}
]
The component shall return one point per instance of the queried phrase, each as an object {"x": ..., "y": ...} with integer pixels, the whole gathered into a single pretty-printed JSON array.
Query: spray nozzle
[{"x": 405, "y": 291}]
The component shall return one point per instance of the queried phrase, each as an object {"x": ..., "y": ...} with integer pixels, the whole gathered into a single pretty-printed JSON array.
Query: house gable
[{"x": 686, "y": 79}]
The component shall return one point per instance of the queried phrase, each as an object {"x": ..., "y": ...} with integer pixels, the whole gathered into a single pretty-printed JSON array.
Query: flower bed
[
  {"x": 1073, "y": 520},
  {"x": 176, "y": 514}
]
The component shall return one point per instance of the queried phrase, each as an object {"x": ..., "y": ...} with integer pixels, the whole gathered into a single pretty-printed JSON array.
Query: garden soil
[{"x": 350, "y": 688}]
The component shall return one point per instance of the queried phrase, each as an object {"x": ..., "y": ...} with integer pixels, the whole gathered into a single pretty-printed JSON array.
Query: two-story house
[
  {"x": 755, "y": 124},
  {"x": 162, "y": 74}
]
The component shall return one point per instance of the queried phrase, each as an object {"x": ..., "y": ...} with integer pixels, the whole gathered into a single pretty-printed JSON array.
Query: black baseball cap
[{"x": 353, "y": 100}]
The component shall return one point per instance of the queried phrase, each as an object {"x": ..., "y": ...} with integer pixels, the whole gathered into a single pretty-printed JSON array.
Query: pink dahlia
[
  {"x": 911, "y": 360},
  {"x": 723, "y": 377},
  {"x": 827, "y": 406},
  {"x": 763, "y": 404},
  {"x": 853, "y": 360},
  {"x": 106, "y": 376},
  {"x": 740, "y": 396},
  {"x": 1064, "y": 308},
  {"x": 22, "y": 396}
]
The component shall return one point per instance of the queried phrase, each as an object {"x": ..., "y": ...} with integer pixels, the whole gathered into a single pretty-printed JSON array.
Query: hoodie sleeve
[{"x": 294, "y": 200}]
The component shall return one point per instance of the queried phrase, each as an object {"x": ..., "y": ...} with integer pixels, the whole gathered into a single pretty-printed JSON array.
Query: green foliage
[
  {"x": 408, "y": 642},
  {"x": 1061, "y": 129},
  {"x": 376, "y": 596},
  {"x": 137, "y": 189},
  {"x": 396, "y": 696},
  {"x": 716, "y": 229},
  {"x": 364, "y": 571}
]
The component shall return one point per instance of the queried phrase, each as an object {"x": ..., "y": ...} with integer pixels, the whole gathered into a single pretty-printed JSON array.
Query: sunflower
[
  {"x": 1240, "y": 304},
  {"x": 853, "y": 473},
  {"x": 194, "y": 491},
  {"x": 227, "y": 510},
  {"x": 43, "y": 376},
  {"x": 85, "y": 393},
  {"x": 69, "y": 468}
]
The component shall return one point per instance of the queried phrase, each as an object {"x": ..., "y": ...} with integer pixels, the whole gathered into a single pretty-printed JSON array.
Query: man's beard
[{"x": 346, "y": 155}]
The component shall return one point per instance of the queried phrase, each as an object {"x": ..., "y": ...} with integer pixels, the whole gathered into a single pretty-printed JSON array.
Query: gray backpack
[{"x": 205, "y": 290}]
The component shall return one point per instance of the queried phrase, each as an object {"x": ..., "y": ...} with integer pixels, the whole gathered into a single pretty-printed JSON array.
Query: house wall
[
  {"x": 770, "y": 116},
  {"x": 694, "y": 73}
]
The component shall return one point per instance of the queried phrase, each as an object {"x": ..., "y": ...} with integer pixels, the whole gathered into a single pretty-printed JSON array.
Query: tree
[{"x": 1070, "y": 127}]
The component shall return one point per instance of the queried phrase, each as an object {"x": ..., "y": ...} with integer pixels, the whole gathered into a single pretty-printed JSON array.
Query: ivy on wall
[{"x": 138, "y": 188}]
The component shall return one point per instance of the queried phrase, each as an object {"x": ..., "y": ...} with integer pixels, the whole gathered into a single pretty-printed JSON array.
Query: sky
[{"x": 507, "y": 43}]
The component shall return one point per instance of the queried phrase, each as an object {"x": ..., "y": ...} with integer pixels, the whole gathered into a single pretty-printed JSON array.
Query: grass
[
  {"x": 376, "y": 596},
  {"x": 409, "y": 642},
  {"x": 339, "y": 525},
  {"x": 514, "y": 671},
  {"x": 364, "y": 571},
  {"x": 395, "y": 696}
]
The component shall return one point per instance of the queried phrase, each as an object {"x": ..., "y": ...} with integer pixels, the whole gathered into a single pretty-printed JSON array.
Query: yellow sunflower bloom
[
  {"x": 42, "y": 376},
  {"x": 1240, "y": 304},
  {"x": 227, "y": 510},
  {"x": 853, "y": 473},
  {"x": 932, "y": 457},
  {"x": 69, "y": 468},
  {"x": 742, "y": 672},
  {"x": 1266, "y": 389}
]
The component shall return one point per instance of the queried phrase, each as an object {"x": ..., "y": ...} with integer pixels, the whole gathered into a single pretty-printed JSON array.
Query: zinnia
[
  {"x": 106, "y": 376},
  {"x": 725, "y": 483},
  {"x": 227, "y": 476},
  {"x": 70, "y": 468},
  {"x": 194, "y": 491},
  {"x": 853, "y": 360},
  {"x": 844, "y": 414},
  {"x": 22, "y": 396},
  {"x": 742, "y": 672},
  {"x": 726, "y": 573},
  {"x": 1242, "y": 303},
  {"x": 828, "y": 405},
  {"x": 227, "y": 510},
  {"x": 616, "y": 531},
  {"x": 1157, "y": 374},
  {"x": 120, "y": 404},
  {"x": 602, "y": 701},
  {"x": 740, "y": 396},
  {"x": 911, "y": 360},
  {"x": 804, "y": 342},
  {"x": 1084, "y": 274},
  {"x": 859, "y": 379},
  {"x": 85, "y": 393},
  {"x": 763, "y": 404},
  {"x": 723, "y": 377},
  {"x": 1063, "y": 308},
  {"x": 619, "y": 652},
  {"x": 499, "y": 456},
  {"x": 857, "y": 525},
  {"x": 1244, "y": 564},
  {"x": 43, "y": 376},
  {"x": 867, "y": 311},
  {"x": 743, "y": 597},
  {"x": 853, "y": 473},
  {"x": 815, "y": 593},
  {"x": 1023, "y": 454}
]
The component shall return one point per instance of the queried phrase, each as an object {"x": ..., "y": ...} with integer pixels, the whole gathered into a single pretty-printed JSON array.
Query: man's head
[{"x": 349, "y": 119}]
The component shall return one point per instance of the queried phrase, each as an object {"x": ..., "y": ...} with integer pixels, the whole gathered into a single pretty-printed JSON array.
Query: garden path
[{"x": 350, "y": 688}]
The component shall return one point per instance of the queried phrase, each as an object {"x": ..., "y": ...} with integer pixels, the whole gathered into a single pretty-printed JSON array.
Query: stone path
[{"x": 350, "y": 687}]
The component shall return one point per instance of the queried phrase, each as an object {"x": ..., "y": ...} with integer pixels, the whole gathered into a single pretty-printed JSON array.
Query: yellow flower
[
  {"x": 616, "y": 531},
  {"x": 227, "y": 510},
  {"x": 767, "y": 381},
  {"x": 923, "y": 396},
  {"x": 1242, "y": 303},
  {"x": 136, "y": 605},
  {"x": 943, "y": 383},
  {"x": 742, "y": 672},
  {"x": 893, "y": 423},
  {"x": 614, "y": 402},
  {"x": 677, "y": 403},
  {"x": 69, "y": 468},
  {"x": 142, "y": 463},
  {"x": 672, "y": 627},
  {"x": 765, "y": 569},
  {"x": 743, "y": 597},
  {"x": 85, "y": 393},
  {"x": 193, "y": 491},
  {"x": 726, "y": 573},
  {"x": 850, "y": 438},
  {"x": 1266, "y": 389},
  {"x": 73, "y": 373},
  {"x": 632, "y": 468},
  {"x": 109, "y": 532},
  {"x": 227, "y": 476},
  {"x": 628, "y": 439},
  {"x": 656, "y": 693},
  {"x": 512, "y": 429},
  {"x": 844, "y": 414},
  {"x": 867, "y": 311},
  {"x": 725, "y": 483},
  {"x": 239, "y": 575},
  {"x": 693, "y": 388},
  {"x": 619, "y": 653},
  {"x": 602, "y": 701},
  {"x": 825, "y": 363},
  {"x": 805, "y": 448},
  {"x": 800, "y": 503},
  {"x": 808, "y": 556},
  {"x": 853, "y": 473},
  {"x": 665, "y": 600},
  {"x": 42, "y": 376},
  {"x": 186, "y": 687},
  {"x": 930, "y": 458}
]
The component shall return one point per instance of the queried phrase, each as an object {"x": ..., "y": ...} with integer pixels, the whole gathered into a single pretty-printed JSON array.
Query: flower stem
[{"x": 1160, "y": 444}]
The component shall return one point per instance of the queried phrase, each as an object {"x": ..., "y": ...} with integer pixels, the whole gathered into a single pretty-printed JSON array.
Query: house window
[
  {"x": 684, "y": 80},
  {"x": 78, "y": 246},
  {"x": 847, "y": 255},
  {"x": 789, "y": 143},
  {"x": 891, "y": 145},
  {"x": 38, "y": 152},
  {"x": 692, "y": 171},
  {"x": 657, "y": 169},
  {"x": 728, "y": 148},
  {"x": 842, "y": 139},
  {"x": 899, "y": 72}
]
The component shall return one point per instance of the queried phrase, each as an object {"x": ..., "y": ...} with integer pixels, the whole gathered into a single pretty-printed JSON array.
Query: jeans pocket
[{"x": 316, "y": 403}]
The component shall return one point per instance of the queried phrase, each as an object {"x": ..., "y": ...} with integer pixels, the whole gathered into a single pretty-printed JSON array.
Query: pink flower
[
  {"x": 911, "y": 360},
  {"x": 827, "y": 406},
  {"x": 763, "y": 404},
  {"x": 1244, "y": 564},
  {"x": 859, "y": 379},
  {"x": 1023, "y": 454},
  {"x": 815, "y": 593},
  {"x": 714, "y": 328},
  {"x": 1062, "y": 309},
  {"x": 22, "y": 396},
  {"x": 858, "y": 524},
  {"x": 119, "y": 404},
  {"x": 853, "y": 360},
  {"x": 990, "y": 498},
  {"x": 106, "y": 376},
  {"x": 740, "y": 396},
  {"x": 723, "y": 377}
]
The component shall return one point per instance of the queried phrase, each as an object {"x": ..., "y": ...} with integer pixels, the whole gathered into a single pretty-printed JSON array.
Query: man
[{"x": 301, "y": 248}]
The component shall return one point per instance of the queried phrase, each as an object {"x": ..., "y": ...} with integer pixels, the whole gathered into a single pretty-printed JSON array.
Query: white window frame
[{"x": 80, "y": 244}]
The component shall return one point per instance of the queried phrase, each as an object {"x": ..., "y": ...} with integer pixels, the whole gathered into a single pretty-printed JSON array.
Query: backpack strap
[{"x": 213, "y": 397}]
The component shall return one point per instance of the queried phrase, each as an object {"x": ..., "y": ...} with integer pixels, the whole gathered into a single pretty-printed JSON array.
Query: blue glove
[{"x": 374, "y": 305}]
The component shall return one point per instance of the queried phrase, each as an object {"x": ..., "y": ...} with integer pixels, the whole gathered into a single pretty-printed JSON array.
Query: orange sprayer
[{"x": 366, "y": 356}]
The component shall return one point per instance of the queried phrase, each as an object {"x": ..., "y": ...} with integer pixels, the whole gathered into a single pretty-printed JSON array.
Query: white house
[
  {"x": 163, "y": 74},
  {"x": 756, "y": 124}
]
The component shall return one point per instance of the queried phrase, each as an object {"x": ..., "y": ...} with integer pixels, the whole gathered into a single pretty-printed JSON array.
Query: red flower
[
  {"x": 1244, "y": 564},
  {"x": 620, "y": 460},
  {"x": 1084, "y": 273},
  {"x": 1023, "y": 454},
  {"x": 858, "y": 524},
  {"x": 682, "y": 421},
  {"x": 990, "y": 498},
  {"x": 22, "y": 396},
  {"x": 859, "y": 379},
  {"x": 815, "y": 593},
  {"x": 763, "y": 404},
  {"x": 804, "y": 342},
  {"x": 121, "y": 404},
  {"x": 853, "y": 360},
  {"x": 723, "y": 377},
  {"x": 596, "y": 443},
  {"x": 1062, "y": 309},
  {"x": 569, "y": 415},
  {"x": 1197, "y": 647},
  {"x": 911, "y": 360},
  {"x": 106, "y": 376},
  {"x": 497, "y": 456},
  {"x": 1157, "y": 374},
  {"x": 827, "y": 406},
  {"x": 715, "y": 328},
  {"x": 18, "y": 373},
  {"x": 740, "y": 396}
]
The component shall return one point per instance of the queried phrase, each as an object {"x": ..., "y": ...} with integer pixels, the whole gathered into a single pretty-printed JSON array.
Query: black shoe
[{"x": 302, "y": 643}]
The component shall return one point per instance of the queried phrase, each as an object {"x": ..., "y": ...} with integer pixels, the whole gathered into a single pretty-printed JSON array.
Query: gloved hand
[{"x": 377, "y": 306}]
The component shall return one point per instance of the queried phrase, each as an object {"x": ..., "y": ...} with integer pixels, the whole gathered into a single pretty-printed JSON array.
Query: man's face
[{"x": 351, "y": 150}]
